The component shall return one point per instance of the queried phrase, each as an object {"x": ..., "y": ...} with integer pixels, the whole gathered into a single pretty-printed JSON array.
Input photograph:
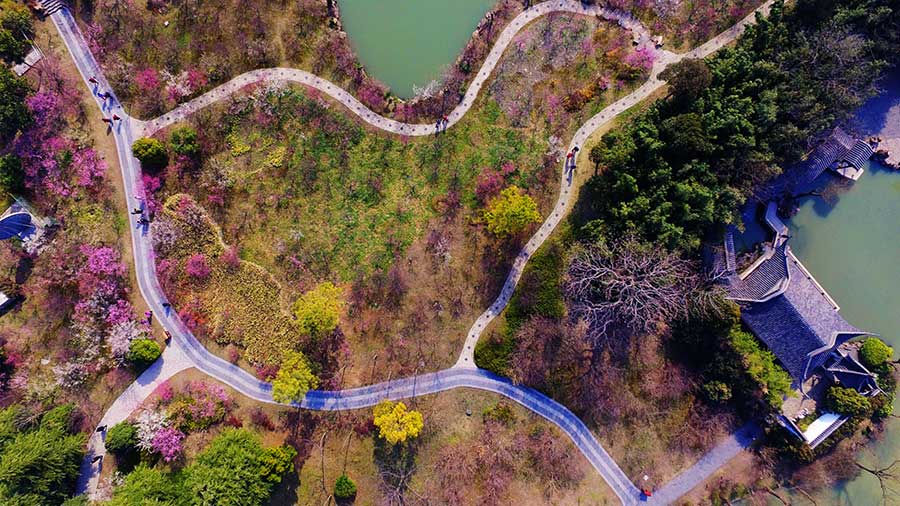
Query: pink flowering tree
[
  {"x": 199, "y": 406},
  {"x": 641, "y": 59},
  {"x": 147, "y": 81},
  {"x": 196, "y": 80},
  {"x": 197, "y": 267},
  {"x": 90, "y": 169},
  {"x": 167, "y": 443},
  {"x": 120, "y": 312},
  {"x": 231, "y": 258},
  {"x": 149, "y": 186},
  {"x": 371, "y": 93}
]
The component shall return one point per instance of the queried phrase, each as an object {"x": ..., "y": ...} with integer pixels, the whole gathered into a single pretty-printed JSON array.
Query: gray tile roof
[
  {"x": 851, "y": 374},
  {"x": 767, "y": 279},
  {"x": 801, "y": 324},
  {"x": 838, "y": 147}
]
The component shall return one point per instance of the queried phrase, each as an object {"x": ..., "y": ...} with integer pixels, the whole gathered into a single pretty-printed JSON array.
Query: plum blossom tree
[{"x": 120, "y": 337}]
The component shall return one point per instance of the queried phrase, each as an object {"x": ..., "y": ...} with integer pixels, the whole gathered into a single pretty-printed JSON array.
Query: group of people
[
  {"x": 441, "y": 125},
  {"x": 143, "y": 220},
  {"x": 106, "y": 96}
]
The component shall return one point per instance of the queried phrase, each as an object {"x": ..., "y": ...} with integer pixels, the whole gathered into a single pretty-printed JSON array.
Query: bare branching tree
[
  {"x": 632, "y": 286},
  {"x": 887, "y": 477}
]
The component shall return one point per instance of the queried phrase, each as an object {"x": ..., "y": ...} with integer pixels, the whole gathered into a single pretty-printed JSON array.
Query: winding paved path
[
  {"x": 185, "y": 351},
  {"x": 181, "y": 112}
]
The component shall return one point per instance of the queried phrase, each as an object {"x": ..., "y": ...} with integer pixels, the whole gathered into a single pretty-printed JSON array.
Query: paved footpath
[
  {"x": 185, "y": 351},
  {"x": 181, "y": 112}
]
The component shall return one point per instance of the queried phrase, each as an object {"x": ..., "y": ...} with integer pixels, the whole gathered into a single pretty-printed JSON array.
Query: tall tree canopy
[
  {"x": 38, "y": 464},
  {"x": 14, "y": 114},
  {"x": 293, "y": 379},
  {"x": 235, "y": 470},
  {"x": 733, "y": 122}
]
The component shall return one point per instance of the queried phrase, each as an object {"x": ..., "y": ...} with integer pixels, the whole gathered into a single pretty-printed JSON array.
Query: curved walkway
[
  {"x": 184, "y": 110},
  {"x": 185, "y": 351}
]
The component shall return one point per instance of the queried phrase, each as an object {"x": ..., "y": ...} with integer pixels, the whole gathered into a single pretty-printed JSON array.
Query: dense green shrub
[
  {"x": 500, "y": 412},
  {"x": 11, "y": 174},
  {"x": 16, "y": 28},
  {"x": 732, "y": 122},
  {"x": 874, "y": 353},
  {"x": 774, "y": 381},
  {"x": 882, "y": 405},
  {"x": 344, "y": 488},
  {"x": 58, "y": 419},
  {"x": 492, "y": 353},
  {"x": 121, "y": 438},
  {"x": 511, "y": 212},
  {"x": 151, "y": 153},
  {"x": 847, "y": 401},
  {"x": 146, "y": 486},
  {"x": 717, "y": 391},
  {"x": 183, "y": 141},
  {"x": 143, "y": 352}
]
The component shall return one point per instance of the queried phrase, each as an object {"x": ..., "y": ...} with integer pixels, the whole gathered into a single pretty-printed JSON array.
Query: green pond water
[
  {"x": 408, "y": 43},
  {"x": 852, "y": 247}
]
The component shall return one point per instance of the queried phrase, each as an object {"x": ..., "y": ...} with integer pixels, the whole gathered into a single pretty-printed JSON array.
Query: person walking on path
[
  {"x": 137, "y": 210},
  {"x": 143, "y": 220},
  {"x": 444, "y": 122},
  {"x": 149, "y": 315},
  {"x": 93, "y": 80}
]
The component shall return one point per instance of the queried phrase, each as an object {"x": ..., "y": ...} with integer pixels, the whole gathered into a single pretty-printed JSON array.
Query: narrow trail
[{"x": 185, "y": 351}]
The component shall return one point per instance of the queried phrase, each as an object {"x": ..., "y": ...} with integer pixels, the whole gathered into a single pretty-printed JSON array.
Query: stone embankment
[{"x": 887, "y": 151}]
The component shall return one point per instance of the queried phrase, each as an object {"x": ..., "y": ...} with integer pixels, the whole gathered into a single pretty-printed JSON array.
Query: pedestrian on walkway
[
  {"x": 143, "y": 220},
  {"x": 445, "y": 122},
  {"x": 168, "y": 336},
  {"x": 116, "y": 118},
  {"x": 107, "y": 121},
  {"x": 149, "y": 315},
  {"x": 137, "y": 210},
  {"x": 437, "y": 127},
  {"x": 92, "y": 80}
]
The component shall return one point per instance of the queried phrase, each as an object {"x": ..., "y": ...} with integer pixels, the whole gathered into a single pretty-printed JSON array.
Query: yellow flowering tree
[
  {"x": 510, "y": 212},
  {"x": 396, "y": 424},
  {"x": 318, "y": 310},
  {"x": 294, "y": 378}
]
